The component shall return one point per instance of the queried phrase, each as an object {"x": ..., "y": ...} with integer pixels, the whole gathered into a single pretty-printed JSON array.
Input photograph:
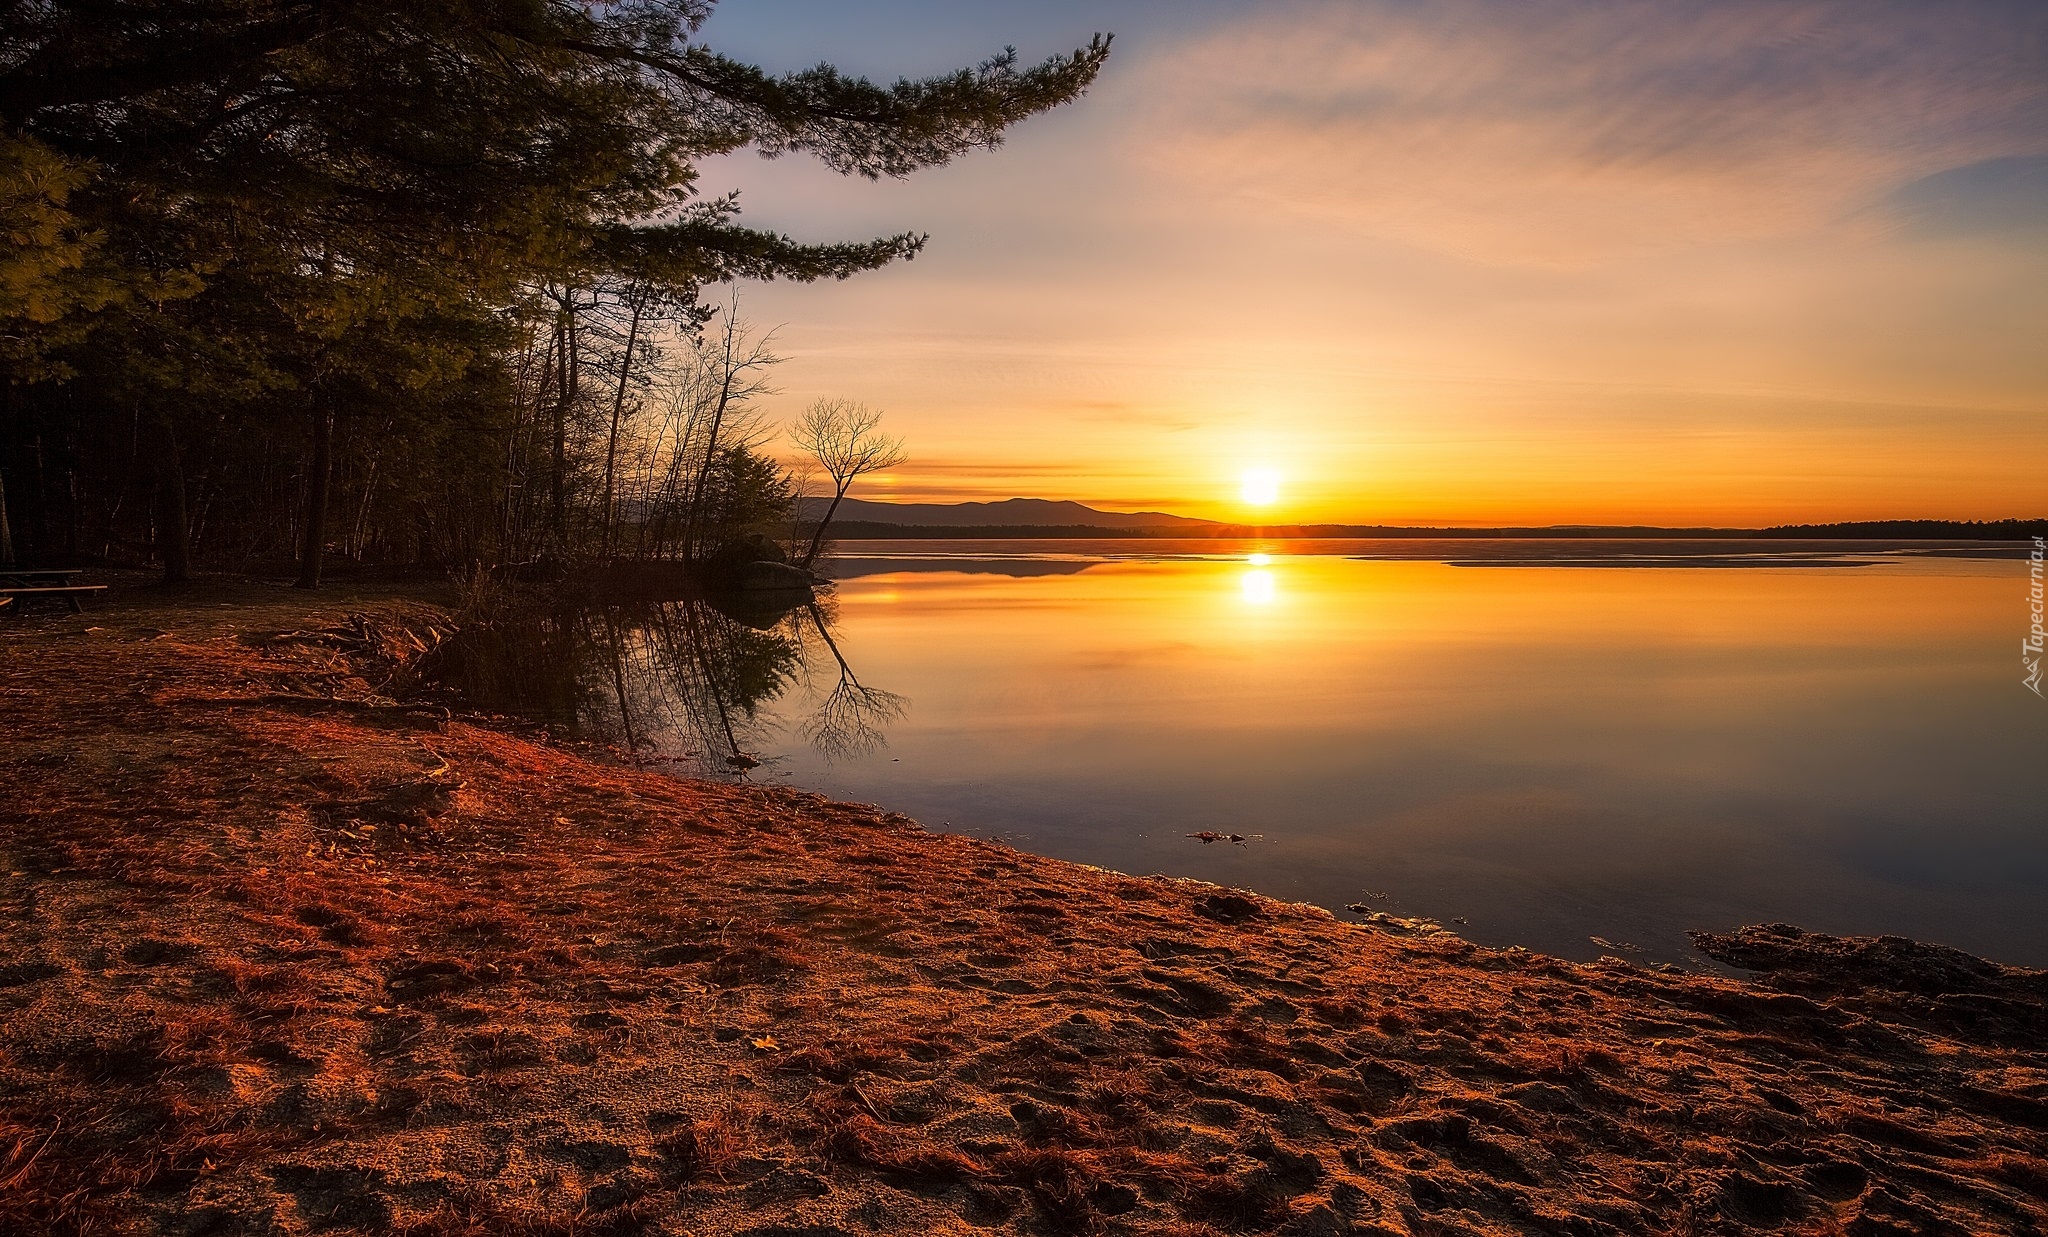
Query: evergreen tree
[{"x": 228, "y": 213}]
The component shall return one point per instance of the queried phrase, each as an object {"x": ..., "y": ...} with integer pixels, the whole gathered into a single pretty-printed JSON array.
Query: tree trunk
[
  {"x": 515, "y": 522},
  {"x": 317, "y": 480},
  {"x": 39, "y": 505},
  {"x": 818, "y": 537},
  {"x": 359, "y": 528},
  {"x": 693, "y": 523},
  {"x": 173, "y": 530},
  {"x": 73, "y": 513},
  {"x": 6, "y": 533},
  {"x": 611, "y": 451},
  {"x": 558, "y": 479}
]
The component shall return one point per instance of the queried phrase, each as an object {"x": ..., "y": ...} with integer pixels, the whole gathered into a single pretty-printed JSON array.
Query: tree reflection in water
[
  {"x": 688, "y": 682},
  {"x": 851, "y": 720}
]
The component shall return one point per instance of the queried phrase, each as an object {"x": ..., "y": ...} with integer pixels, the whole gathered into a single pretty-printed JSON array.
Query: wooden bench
[
  {"x": 69, "y": 593},
  {"x": 36, "y": 577}
]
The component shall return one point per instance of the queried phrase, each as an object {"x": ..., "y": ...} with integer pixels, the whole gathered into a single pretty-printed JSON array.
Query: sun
[{"x": 1260, "y": 487}]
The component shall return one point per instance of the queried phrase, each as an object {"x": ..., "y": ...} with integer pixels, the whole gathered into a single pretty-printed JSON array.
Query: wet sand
[{"x": 287, "y": 954}]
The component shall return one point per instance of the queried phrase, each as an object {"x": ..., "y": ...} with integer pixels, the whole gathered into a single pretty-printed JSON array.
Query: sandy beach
[{"x": 291, "y": 951}]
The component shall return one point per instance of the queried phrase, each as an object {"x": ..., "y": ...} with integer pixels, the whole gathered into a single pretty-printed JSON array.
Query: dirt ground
[{"x": 285, "y": 953}]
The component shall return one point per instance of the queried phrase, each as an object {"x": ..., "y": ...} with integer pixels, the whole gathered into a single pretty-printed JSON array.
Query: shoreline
[{"x": 285, "y": 955}]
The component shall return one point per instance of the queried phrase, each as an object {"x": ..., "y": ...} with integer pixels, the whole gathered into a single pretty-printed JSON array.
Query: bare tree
[
  {"x": 734, "y": 365},
  {"x": 845, "y": 438}
]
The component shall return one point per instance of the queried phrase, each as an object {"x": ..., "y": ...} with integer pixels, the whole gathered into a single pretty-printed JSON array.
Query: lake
[{"x": 1582, "y": 747}]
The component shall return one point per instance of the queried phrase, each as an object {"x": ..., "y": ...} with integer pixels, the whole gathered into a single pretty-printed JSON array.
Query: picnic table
[{"x": 21, "y": 585}]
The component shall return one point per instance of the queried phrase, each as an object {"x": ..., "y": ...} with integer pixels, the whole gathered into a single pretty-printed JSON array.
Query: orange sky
[{"x": 1510, "y": 261}]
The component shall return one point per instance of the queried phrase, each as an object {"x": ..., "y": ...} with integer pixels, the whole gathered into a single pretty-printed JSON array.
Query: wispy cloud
[
  {"x": 1562, "y": 133},
  {"x": 1501, "y": 261}
]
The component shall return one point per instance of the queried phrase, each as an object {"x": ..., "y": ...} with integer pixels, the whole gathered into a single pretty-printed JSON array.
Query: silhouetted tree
[
  {"x": 845, "y": 439},
  {"x": 246, "y": 227}
]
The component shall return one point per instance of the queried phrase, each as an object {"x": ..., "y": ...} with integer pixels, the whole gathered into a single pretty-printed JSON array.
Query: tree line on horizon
[
  {"x": 412, "y": 283},
  {"x": 1915, "y": 530}
]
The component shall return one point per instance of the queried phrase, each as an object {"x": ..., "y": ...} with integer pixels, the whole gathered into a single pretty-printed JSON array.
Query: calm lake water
[{"x": 1558, "y": 749}]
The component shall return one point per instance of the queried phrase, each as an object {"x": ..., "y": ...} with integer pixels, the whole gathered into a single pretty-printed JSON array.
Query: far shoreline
[{"x": 2020, "y": 533}]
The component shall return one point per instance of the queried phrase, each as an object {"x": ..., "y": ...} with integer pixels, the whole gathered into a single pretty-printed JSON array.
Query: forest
[{"x": 296, "y": 281}]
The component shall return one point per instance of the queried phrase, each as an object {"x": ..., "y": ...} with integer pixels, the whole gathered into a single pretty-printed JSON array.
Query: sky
[{"x": 1461, "y": 262}]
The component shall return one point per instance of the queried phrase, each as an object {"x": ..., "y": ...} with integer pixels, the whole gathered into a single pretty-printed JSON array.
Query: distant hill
[
  {"x": 1039, "y": 512},
  {"x": 874, "y": 530}
]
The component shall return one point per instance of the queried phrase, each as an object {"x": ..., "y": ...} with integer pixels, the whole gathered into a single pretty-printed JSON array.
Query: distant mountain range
[{"x": 1034, "y": 512}]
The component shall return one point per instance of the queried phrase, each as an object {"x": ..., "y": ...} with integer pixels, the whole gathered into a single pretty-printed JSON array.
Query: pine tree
[{"x": 265, "y": 195}]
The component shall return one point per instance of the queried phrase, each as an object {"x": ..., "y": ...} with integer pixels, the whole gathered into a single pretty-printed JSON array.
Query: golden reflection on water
[
  {"x": 1672, "y": 747},
  {"x": 1338, "y": 649}
]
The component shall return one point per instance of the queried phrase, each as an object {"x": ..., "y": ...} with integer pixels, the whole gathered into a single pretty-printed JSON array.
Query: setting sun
[{"x": 1261, "y": 487}]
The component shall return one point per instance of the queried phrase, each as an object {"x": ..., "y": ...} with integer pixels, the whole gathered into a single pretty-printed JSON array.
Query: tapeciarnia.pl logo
[{"x": 2030, "y": 648}]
